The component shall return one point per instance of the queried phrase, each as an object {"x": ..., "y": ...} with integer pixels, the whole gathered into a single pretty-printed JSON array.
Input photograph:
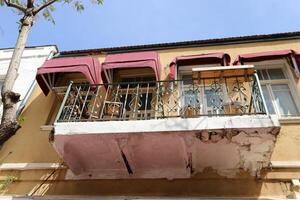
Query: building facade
[
  {"x": 32, "y": 58},
  {"x": 209, "y": 118}
]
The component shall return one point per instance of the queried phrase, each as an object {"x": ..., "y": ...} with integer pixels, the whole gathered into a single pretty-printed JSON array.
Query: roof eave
[{"x": 188, "y": 44}]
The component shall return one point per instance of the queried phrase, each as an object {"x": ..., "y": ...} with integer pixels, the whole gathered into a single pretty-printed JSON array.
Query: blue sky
[{"x": 132, "y": 22}]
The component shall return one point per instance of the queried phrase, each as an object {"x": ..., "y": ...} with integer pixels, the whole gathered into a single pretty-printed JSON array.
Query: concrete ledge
[
  {"x": 285, "y": 164},
  {"x": 167, "y": 125},
  {"x": 30, "y": 166}
]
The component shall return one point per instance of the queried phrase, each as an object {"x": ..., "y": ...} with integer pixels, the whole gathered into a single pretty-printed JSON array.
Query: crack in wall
[{"x": 125, "y": 160}]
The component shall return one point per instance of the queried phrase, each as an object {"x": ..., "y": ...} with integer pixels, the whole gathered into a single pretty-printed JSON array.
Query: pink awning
[
  {"x": 201, "y": 59},
  {"x": 271, "y": 55},
  {"x": 261, "y": 56},
  {"x": 88, "y": 66},
  {"x": 134, "y": 60}
]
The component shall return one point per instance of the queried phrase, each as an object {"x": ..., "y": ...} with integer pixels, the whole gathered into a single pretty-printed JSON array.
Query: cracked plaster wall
[{"x": 228, "y": 153}]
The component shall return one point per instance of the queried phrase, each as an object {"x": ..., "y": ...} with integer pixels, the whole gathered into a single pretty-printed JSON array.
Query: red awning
[
  {"x": 201, "y": 59},
  {"x": 133, "y": 60},
  {"x": 291, "y": 55},
  {"x": 261, "y": 56},
  {"x": 88, "y": 66}
]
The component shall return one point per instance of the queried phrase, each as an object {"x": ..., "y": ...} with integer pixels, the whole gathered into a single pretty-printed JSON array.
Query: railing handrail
[
  {"x": 158, "y": 81},
  {"x": 156, "y": 99}
]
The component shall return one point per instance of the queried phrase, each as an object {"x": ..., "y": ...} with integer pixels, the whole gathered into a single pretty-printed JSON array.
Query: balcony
[{"x": 166, "y": 129}]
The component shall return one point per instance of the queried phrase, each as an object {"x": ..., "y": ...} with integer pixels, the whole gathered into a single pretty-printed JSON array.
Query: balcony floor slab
[{"x": 166, "y": 148}]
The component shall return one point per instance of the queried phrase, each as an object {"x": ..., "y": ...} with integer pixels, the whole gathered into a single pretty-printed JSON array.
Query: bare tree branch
[
  {"x": 30, "y": 3},
  {"x": 14, "y": 5},
  {"x": 48, "y": 3}
]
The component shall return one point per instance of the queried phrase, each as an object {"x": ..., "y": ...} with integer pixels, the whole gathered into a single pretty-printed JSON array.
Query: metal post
[
  {"x": 63, "y": 102},
  {"x": 261, "y": 93}
]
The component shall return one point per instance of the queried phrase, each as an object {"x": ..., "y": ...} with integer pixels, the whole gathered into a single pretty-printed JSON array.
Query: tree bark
[{"x": 9, "y": 124}]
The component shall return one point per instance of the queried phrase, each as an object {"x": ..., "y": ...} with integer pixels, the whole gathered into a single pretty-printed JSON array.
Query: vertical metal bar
[
  {"x": 251, "y": 95},
  {"x": 125, "y": 102},
  {"x": 160, "y": 98},
  {"x": 157, "y": 93},
  {"x": 84, "y": 102},
  {"x": 146, "y": 101},
  {"x": 261, "y": 93},
  {"x": 104, "y": 102},
  {"x": 205, "y": 108},
  {"x": 199, "y": 96},
  {"x": 255, "y": 99},
  {"x": 181, "y": 97},
  {"x": 193, "y": 98},
  {"x": 136, "y": 103},
  {"x": 239, "y": 88},
  {"x": 78, "y": 91},
  {"x": 95, "y": 99},
  {"x": 251, "y": 102},
  {"x": 217, "y": 107},
  {"x": 228, "y": 98},
  {"x": 115, "y": 101},
  {"x": 63, "y": 102}
]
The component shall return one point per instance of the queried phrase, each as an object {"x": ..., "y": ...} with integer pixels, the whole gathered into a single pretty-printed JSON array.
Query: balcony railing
[{"x": 235, "y": 95}]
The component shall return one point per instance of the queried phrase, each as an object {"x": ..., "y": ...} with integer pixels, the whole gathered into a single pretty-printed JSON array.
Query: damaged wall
[
  {"x": 227, "y": 153},
  {"x": 169, "y": 155}
]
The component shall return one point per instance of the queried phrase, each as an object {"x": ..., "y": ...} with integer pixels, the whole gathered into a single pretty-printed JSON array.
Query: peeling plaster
[
  {"x": 172, "y": 154},
  {"x": 229, "y": 151}
]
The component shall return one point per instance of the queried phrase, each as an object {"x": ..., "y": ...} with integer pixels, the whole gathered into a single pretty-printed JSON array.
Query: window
[
  {"x": 196, "y": 96},
  {"x": 190, "y": 94},
  {"x": 278, "y": 90}
]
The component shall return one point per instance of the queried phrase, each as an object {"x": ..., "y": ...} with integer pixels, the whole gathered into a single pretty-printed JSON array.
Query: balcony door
[{"x": 131, "y": 94}]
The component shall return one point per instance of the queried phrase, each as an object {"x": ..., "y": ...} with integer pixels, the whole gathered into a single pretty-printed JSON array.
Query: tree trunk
[{"x": 9, "y": 124}]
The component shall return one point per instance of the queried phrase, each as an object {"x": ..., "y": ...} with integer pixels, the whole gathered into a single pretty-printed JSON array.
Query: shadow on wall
[
  {"x": 30, "y": 144},
  {"x": 55, "y": 185}
]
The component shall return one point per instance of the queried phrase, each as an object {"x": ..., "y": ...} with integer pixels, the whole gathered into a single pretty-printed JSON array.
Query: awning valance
[
  {"x": 133, "y": 60},
  {"x": 291, "y": 55},
  {"x": 201, "y": 59},
  {"x": 88, "y": 66}
]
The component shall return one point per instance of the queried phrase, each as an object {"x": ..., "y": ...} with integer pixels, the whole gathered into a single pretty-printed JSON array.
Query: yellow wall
[{"x": 31, "y": 145}]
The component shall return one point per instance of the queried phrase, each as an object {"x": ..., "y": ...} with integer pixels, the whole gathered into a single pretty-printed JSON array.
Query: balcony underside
[{"x": 166, "y": 148}]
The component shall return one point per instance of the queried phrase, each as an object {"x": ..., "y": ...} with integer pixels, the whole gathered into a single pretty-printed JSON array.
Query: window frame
[{"x": 289, "y": 80}]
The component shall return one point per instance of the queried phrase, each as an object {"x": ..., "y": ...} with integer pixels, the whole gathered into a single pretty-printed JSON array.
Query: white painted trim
[
  {"x": 285, "y": 164},
  {"x": 46, "y": 127},
  {"x": 26, "y": 57},
  {"x": 30, "y": 166},
  {"x": 296, "y": 182},
  {"x": 199, "y": 69},
  {"x": 289, "y": 120},
  {"x": 167, "y": 125}
]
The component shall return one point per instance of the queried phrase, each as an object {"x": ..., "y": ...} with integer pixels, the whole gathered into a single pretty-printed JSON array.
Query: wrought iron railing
[{"x": 237, "y": 95}]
